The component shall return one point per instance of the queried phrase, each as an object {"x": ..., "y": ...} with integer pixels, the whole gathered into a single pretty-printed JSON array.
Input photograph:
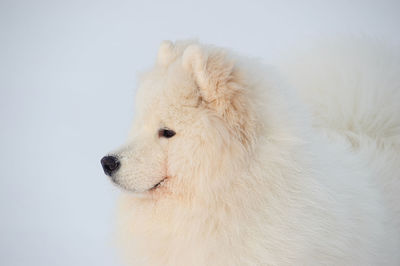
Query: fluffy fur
[{"x": 259, "y": 173}]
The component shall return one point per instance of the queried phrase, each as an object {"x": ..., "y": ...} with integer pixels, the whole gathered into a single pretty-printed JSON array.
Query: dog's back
[{"x": 353, "y": 90}]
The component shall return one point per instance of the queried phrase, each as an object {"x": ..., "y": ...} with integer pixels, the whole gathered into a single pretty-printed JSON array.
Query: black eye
[{"x": 166, "y": 133}]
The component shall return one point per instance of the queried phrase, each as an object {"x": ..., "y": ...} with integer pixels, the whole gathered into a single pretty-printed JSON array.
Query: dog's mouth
[
  {"x": 154, "y": 188},
  {"x": 159, "y": 184}
]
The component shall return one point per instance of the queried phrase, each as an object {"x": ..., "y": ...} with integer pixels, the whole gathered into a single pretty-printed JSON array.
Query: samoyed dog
[{"x": 231, "y": 163}]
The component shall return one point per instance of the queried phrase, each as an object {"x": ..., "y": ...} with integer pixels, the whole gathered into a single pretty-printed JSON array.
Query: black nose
[{"x": 110, "y": 164}]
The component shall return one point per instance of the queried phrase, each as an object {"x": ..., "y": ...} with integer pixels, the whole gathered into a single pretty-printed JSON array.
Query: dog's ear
[
  {"x": 166, "y": 53},
  {"x": 221, "y": 85}
]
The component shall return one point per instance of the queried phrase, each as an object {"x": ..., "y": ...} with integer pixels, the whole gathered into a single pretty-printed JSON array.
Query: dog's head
[{"x": 193, "y": 124}]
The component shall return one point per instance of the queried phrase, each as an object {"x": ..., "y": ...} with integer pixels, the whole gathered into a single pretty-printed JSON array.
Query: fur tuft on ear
[
  {"x": 165, "y": 53},
  {"x": 194, "y": 59}
]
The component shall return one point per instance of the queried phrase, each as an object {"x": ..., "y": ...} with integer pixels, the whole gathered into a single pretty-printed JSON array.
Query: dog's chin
[{"x": 141, "y": 192}]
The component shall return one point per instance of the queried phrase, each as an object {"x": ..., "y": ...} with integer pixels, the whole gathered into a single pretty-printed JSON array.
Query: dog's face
[{"x": 191, "y": 123}]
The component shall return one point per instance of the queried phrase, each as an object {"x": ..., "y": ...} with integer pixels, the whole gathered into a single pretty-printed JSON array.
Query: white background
[{"x": 67, "y": 83}]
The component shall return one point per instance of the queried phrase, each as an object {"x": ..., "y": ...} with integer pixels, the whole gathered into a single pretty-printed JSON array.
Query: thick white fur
[{"x": 259, "y": 173}]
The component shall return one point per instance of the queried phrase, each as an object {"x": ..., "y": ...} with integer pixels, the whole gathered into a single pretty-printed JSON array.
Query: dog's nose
[{"x": 110, "y": 164}]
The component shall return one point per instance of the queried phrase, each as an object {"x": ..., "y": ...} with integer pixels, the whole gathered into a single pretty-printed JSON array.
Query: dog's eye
[{"x": 166, "y": 133}]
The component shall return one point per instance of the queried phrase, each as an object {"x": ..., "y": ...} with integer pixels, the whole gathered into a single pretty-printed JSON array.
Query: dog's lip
[{"x": 158, "y": 184}]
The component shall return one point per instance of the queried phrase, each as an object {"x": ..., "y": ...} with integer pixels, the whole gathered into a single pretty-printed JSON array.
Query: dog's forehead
[
  {"x": 169, "y": 84},
  {"x": 179, "y": 87},
  {"x": 166, "y": 92}
]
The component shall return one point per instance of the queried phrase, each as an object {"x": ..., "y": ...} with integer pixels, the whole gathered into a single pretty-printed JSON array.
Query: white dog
[{"x": 228, "y": 165}]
